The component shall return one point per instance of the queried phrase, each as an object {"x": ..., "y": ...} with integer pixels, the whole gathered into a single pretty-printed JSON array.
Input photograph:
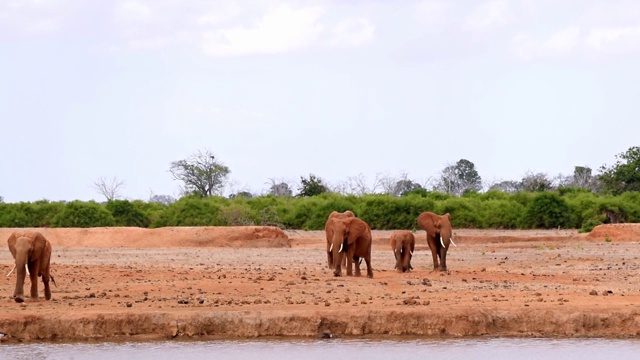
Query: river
[{"x": 494, "y": 349}]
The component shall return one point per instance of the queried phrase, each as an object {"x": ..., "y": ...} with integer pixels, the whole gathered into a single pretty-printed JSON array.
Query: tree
[
  {"x": 405, "y": 186},
  {"x": 311, "y": 186},
  {"x": 241, "y": 194},
  {"x": 508, "y": 186},
  {"x": 536, "y": 182},
  {"x": 201, "y": 174},
  {"x": 162, "y": 199},
  {"x": 110, "y": 189},
  {"x": 624, "y": 175},
  {"x": 1, "y": 199},
  {"x": 455, "y": 179},
  {"x": 279, "y": 188}
]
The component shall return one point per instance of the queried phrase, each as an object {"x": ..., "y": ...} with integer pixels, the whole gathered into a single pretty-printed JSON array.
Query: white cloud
[
  {"x": 494, "y": 13},
  {"x": 279, "y": 30},
  {"x": 432, "y": 12},
  {"x": 354, "y": 31},
  {"x": 560, "y": 44},
  {"x": 614, "y": 40},
  {"x": 33, "y": 17},
  {"x": 133, "y": 12}
]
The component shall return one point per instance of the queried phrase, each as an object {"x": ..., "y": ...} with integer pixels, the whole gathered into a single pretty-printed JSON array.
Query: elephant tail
[{"x": 53, "y": 280}]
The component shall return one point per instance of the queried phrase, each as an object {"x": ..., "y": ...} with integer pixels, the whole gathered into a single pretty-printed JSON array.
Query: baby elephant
[{"x": 402, "y": 243}]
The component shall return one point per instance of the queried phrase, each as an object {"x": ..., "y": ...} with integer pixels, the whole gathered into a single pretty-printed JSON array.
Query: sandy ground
[{"x": 129, "y": 283}]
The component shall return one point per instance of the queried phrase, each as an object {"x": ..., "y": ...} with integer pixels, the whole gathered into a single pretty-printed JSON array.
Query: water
[{"x": 494, "y": 349}]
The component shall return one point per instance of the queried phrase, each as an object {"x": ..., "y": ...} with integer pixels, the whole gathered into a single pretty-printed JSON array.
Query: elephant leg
[
  {"x": 356, "y": 260},
  {"x": 350, "y": 263},
  {"x": 329, "y": 259},
  {"x": 367, "y": 260},
  {"x": 33, "y": 276},
  {"x": 46, "y": 277},
  {"x": 443, "y": 259},
  {"x": 434, "y": 255}
]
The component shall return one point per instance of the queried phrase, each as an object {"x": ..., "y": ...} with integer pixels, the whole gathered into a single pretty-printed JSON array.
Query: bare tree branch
[{"x": 110, "y": 189}]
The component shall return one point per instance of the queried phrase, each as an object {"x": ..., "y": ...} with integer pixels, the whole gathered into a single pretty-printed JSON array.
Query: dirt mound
[
  {"x": 616, "y": 232},
  {"x": 205, "y": 236}
]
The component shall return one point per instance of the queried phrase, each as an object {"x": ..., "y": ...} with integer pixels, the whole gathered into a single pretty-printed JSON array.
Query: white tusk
[
  {"x": 394, "y": 251},
  {"x": 10, "y": 272},
  {"x": 411, "y": 253},
  {"x": 454, "y": 244},
  {"x": 14, "y": 267},
  {"x": 331, "y": 248},
  {"x": 341, "y": 246},
  {"x": 442, "y": 242}
]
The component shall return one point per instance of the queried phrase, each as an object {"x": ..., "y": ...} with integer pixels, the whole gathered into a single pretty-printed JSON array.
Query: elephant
[
  {"x": 350, "y": 236},
  {"x": 329, "y": 233},
  {"x": 402, "y": 243},
  {"x": 32, "y": 251},
  {"x": 439, "y": 236}
]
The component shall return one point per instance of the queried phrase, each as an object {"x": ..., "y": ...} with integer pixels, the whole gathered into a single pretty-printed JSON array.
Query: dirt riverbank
[{"x": 129, "y": 283}]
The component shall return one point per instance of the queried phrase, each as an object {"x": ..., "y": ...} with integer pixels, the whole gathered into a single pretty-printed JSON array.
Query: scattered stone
[
  {"x": 183, "y": 302},
  {"x": 326, "y": 303},
  {"x": 201, "y": 301},
  {"x": 593, "y": 292},
  {"x": 129, "y": 304},
  {"x": 475, "y": 298},
  {"x": 426, "y": 282}
]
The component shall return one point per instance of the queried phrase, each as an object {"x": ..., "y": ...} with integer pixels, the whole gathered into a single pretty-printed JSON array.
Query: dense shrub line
[{"x": 565, "y": 208}]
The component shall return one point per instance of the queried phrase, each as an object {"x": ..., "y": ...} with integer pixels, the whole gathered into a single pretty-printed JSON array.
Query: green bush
[
  {"x": 83, "y": 215},
  {"x": 237, "y": 214},
  {"x": 465, "y": 213},
  {"x": 547, "y": 210},
  {"x": 126, "y": 213},
  {"x": 191, "y": 211},
  {"x": 588, "y": 225},
  {"x": 502, "y": 214}
]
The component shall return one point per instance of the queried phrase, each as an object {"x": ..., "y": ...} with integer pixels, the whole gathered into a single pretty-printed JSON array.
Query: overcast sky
[{"x": 278, "y": 89}]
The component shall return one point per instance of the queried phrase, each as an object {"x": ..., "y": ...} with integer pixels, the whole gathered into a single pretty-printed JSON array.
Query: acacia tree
[
  {"x": 624, "y": 175},
  {"x": 110, "y": 189},
  {"x": 201, "y": 174},
  {"x": 458, "y": 178},
  {"x": 311, "y": 186}
]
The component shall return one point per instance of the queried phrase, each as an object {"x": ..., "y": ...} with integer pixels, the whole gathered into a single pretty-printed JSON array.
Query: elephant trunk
[
  {"x": 337, "y": 252},
  {"x": 21, "y": 273}
]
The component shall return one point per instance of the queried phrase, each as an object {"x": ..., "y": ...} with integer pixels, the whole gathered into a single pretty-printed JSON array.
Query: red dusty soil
[{"x": 238, "y": 282}]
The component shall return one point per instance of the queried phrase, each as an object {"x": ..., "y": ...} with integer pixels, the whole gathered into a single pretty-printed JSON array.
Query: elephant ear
[
  {"x": 355, "y": 229},
  {"x": 12, "y": 244},
  {"x": 39, "y": 243},
  {"x": 448, "y": 216}
]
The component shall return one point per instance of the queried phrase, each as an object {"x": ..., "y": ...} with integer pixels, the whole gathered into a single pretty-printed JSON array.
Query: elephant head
[
  {"x": 402, "y": 243},
  {"x": 350, "y": 238},
  {"x": 439, "y": 236},
  {"x": 33, "y": 252},
  {"x": 328, "y": 229}
]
